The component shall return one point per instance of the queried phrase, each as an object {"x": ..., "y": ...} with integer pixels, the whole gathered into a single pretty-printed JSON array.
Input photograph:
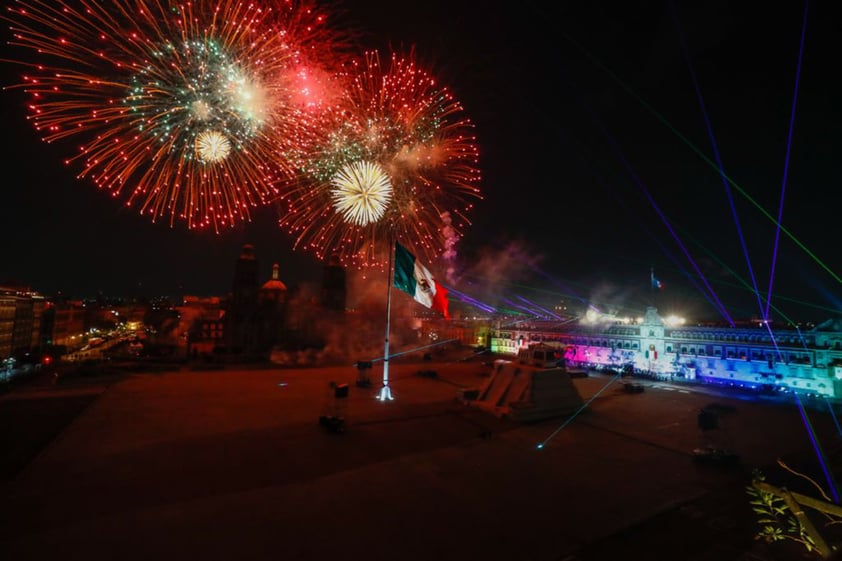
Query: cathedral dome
[{"x": 274, "y": 284}]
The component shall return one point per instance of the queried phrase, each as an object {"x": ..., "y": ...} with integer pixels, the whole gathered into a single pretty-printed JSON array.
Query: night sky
[{"x": 600, "y": 127}]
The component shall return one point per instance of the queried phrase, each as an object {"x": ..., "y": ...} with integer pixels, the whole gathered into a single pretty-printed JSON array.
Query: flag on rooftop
[{"x": 656, "y": 284}]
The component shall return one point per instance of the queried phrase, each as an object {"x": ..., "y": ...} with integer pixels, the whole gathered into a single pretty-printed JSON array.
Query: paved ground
[{"x": 233, "y": 464}]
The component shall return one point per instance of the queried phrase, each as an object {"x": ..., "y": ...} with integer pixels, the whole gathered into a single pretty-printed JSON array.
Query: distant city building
[
  {"x": 101, "y": 315},
  {"x": 203, "y": 319},
  {"x": 68, "y": 323},
  {"x": 8, "y": 304},
  {"x": 21, "y": 321}
]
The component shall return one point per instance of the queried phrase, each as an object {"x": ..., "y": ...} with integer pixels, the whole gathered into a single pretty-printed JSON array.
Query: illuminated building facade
[
  {"x": 21, "y": 320},
  {"x": 7, "y": 323},
  {"x": 807, "y": 362}
]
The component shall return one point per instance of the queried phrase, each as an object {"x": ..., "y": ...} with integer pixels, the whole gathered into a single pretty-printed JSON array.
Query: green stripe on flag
[{"x": 404, "y": 270}]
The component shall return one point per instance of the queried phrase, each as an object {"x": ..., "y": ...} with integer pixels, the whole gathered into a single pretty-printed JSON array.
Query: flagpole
[
  {"x": 652, "y": 281},
  {"x": 651, "y": 286},
  {"x": 385, "y": 392}
]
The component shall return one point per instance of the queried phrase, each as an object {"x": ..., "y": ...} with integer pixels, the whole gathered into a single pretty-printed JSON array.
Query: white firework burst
[
  {"x": 361, "y": 192},
  {"x": 212, "y": 146}
]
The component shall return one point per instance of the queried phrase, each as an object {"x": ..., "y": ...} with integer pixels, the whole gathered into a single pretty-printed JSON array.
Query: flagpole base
[{"x": 385, "y": 394}]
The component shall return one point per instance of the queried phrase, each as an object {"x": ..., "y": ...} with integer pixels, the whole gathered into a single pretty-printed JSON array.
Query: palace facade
[{"x": 806, "y": 362}]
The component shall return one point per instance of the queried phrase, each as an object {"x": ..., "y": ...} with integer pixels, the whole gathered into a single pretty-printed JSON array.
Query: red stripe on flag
[{"x": 440, "y": 300}]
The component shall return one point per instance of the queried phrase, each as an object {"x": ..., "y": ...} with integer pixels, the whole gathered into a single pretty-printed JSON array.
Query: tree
[{"x": 781, "y": 513}]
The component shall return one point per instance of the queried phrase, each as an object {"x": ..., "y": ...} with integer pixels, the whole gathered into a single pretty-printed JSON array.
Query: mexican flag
[{"x": 413, "y": 278}]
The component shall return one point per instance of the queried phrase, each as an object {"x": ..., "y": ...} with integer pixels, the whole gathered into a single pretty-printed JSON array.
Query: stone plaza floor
[{"x": 234, "y": 464}]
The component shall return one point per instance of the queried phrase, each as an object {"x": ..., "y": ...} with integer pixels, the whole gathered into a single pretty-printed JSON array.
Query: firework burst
[
  {"x": 186, "y": 110},
  {"x": 417, "y": 134},
  {"x": 361, "y": 192}
]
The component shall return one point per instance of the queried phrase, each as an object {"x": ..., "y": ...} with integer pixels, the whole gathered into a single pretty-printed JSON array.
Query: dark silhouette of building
[
  {"x": 241, "y": 330},
  {"x": 256, "y": 313},
  {"x": 273, "y": 307},
  {"x": 334, "y": 289}
]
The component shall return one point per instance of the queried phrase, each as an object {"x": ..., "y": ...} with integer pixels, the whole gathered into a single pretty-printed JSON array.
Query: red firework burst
[
  {"x": 399, "y": 119},
  {"x": 188, "y": 110}
]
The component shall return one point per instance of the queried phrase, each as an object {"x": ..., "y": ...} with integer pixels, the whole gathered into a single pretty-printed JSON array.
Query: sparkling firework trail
[
  {"x": 399, "y": 119},
  {"x": 186, "y": 110}
]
